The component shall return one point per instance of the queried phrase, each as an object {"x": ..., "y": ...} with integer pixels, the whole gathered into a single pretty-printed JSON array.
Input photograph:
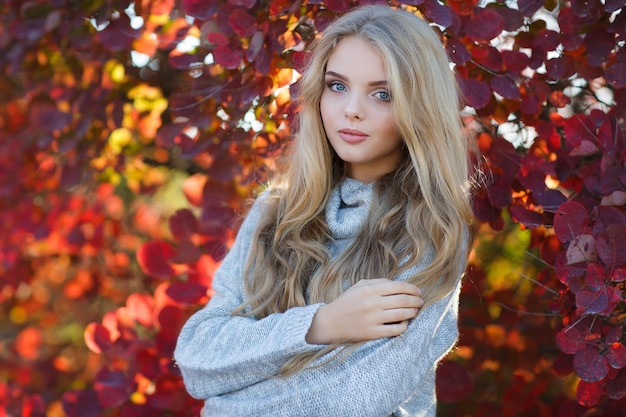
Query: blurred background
[{"x": 133, "y": 132}]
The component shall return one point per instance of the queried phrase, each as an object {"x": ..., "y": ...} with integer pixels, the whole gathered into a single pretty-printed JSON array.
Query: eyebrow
[{"x": 344, "y": 78}]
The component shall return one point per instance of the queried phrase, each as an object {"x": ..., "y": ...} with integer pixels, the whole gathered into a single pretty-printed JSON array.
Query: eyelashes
[
  {"x": 339, "y": 87},
  {"x": 336, "y": 86}
]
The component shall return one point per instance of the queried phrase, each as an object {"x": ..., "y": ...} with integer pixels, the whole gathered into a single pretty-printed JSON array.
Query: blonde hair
[{"x": 424, "y": 204}]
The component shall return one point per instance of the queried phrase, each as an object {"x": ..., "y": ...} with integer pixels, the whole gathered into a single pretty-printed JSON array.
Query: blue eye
[
  {"x": 383, "y": 95},
  {"x": 336, "y": 86}
]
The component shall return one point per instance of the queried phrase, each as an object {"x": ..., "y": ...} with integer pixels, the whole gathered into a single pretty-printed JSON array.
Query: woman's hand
[{"x": 371, "y": 309}]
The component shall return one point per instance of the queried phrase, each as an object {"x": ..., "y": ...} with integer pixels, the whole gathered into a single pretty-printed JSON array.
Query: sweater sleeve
[
  {"x": 375, "y": 380},
  {"x": 218, "y": 353}
]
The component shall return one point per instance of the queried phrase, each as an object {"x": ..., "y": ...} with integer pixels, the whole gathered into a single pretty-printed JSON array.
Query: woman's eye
[
  {"x": 383, "y": 95},
  {"x": 336, "y": 86}
]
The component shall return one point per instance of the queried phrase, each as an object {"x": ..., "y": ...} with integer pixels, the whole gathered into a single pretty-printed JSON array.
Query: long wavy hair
[{"x": 424, "y": 204}]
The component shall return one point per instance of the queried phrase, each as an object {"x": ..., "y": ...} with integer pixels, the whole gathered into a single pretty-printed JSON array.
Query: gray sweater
[{"x": 229, "y": 361}]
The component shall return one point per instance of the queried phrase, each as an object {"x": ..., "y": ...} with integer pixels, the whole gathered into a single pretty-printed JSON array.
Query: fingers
[
  {"x": 391, "y": 302},
  {"x": 384, "y": 286},
  {"x": 392, "y": 329},
  {"x": 398, "y": 315}
]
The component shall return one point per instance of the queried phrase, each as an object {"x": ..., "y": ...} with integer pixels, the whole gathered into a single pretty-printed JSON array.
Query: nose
[{"x": 353, "y": 108}]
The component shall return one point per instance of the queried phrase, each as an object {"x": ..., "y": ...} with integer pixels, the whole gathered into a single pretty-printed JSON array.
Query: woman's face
[{"x": 357, "y": 113}]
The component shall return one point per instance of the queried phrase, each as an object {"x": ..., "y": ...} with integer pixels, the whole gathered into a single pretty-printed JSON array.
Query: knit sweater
[{"x": 232, "y": 362}]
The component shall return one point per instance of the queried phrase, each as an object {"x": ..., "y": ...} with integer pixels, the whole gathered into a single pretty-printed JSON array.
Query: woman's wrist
[{"x": 318, "y": 333}]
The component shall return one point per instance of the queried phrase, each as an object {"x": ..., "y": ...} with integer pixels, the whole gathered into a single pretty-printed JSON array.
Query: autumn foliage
[{"x": 132, "y": 132}]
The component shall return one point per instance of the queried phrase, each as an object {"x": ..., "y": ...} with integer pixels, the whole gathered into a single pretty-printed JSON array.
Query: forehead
[{"x": 355, "y": 57}]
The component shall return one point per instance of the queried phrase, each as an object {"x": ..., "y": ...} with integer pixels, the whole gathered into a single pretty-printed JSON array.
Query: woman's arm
[
  {"x": 218, "y": 353},
  {"x": 374, "y": 380},
  {"x": 370, "y": 309}
]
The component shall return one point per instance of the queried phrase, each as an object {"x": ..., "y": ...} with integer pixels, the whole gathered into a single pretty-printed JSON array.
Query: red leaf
[
  {"x": 154, "y": 257},
  {"x": 170, "y": 322},
  {"x": 526, "y": 217},
  {"x": 485, "y": 25},
  {"x": 530, "y": 105},
  {"x": 610, "y": 134},
  {"x": 248, "y": 4},
  {"x": 615, "y": 297},
  {"x": 438, "y": 13},
  {"x": 188, "y": 293},
  {"x": 514, "y": 61},
  {"x": 193, "y": 188},
  {"x": 169, "y": 395},
  {"x": 505, "y": 86},
  {"x": 611, "y": 6},
  {"x": 112, "y": 388},
  {"x": 141, "y": 308},
  {"x": 33, "y": 406},
  {"x": 589, "y": 365},
  {"x": 97, "y": 338},
  {"x": 570, "y": 220},
  {"x": 570, "y": 340},
  {"x": 582, "y": 7},
  {"x": 277, "y": 7},
  {"x": 529, "y": 7},
  {"x": 454, "y": 383},
  {"x": 616, "y": 355},
  {"x": 256, "y": 44},
  {"x": 611, "y": 246},
  {"x": 618, "y": 275},
  {"x": 28, "y": 343},
  {"x": 556, "y": 67},
  {"x": 48, "y": 117},
  {"x": 585, "y": 148},
  {"x": 513, "y": 19},
  {"x": 477, "y": 93},
  {"x": 217, "y": 38},
  {"x": 167, "y": 135},
  {"x": 118, "y": 35},
  {"x": 616, "y": 387},
  {"x": 81, "y": 403},
  {"x": 339, "y": 6},
  {"x": 199, "y": 9},
  {"x": 614, "y": 335},
  {"x": 559, "y": 99},
  {"x": 592, "y": 302},
  {"x": 578, "y": 128},
  {"x": 170, "y": 317},
  {"x": 596, "y": 276},
  {"x": 615, "y": 74},
  {"x": 546, "y": 39},
  {"x": 569, "y": 22},
  {"x": 457, "y": 51},
  {"x": 227, "y": 57},
  {"x": 462, "y": 7},
  {"x": 186, "y": 253},
  {"x": 183, "y": 224},
  {"x": 155, "y": 7},
  {"x": 488, "y": 56},
  {"x": 588, "y": 394},
  {"x": 242, "y": 23},
  {"x": 183, "y": 61},
  {"x": 486, "y": 212},
  {"x": 599, "y": 42},
  {"x": 563, "y": 364}
]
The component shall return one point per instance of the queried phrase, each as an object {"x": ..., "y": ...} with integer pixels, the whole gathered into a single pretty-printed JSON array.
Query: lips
[{"x": 352, "y": 135}]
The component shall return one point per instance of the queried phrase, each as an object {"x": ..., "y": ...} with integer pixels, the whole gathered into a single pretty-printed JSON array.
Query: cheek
[
  {"x": 325, "y": 111},
  {"x": 387, "y": 123}
]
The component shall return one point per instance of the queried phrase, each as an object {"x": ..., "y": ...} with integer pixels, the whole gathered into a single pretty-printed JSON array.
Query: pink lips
[{"x": 352, "y": 135}]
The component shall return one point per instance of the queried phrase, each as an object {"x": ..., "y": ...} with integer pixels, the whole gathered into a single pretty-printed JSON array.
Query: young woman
[{"x": 340, "y": 294}]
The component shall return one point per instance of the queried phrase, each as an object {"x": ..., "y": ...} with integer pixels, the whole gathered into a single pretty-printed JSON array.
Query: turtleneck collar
[{"x": 347, "y": 208}]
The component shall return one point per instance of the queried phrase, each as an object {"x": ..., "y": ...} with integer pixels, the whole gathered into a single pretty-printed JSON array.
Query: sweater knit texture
[{"x": 231, "y": 362}]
